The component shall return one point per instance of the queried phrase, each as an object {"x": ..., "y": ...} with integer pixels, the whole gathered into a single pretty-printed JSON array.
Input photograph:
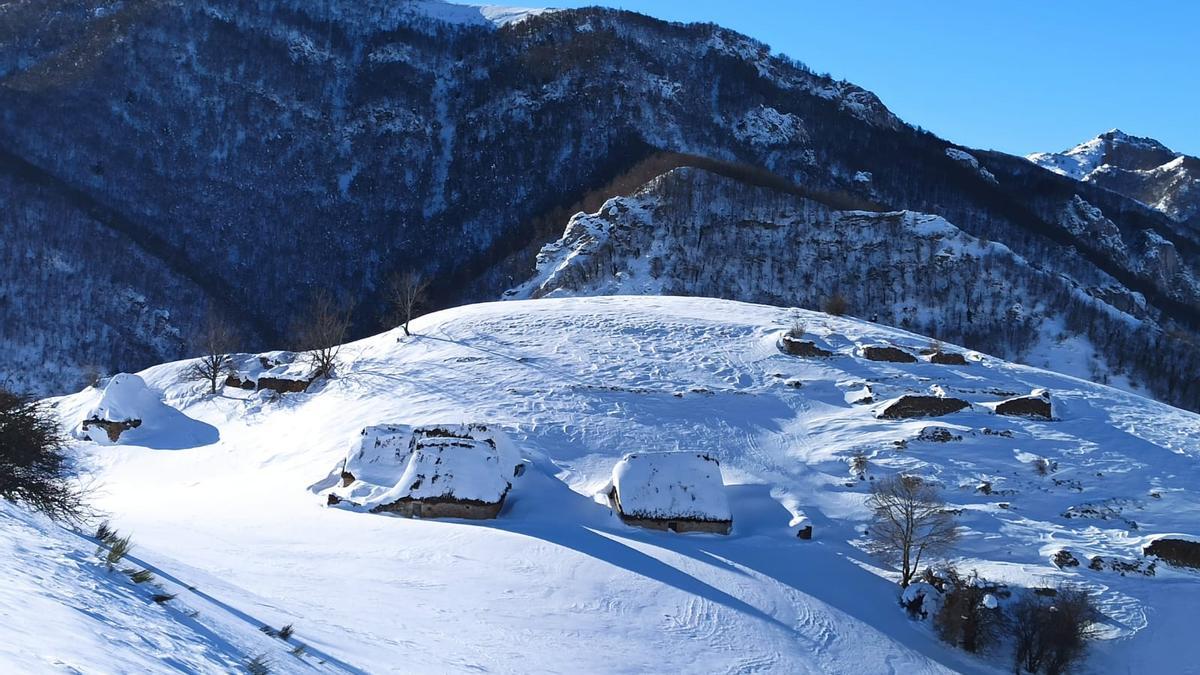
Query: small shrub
[
  {"x": 33, "y": 466},
  {"x": 797, "y": 329},
  {"x": 258, "y": 665},
  {"x": 1043, "y": 466},
  {"x": 141, "y": 576},
  {"x": 104, "y": 532},
  {"x": 298, "y": 650},
  {"x": 859, "y": 464},
  {"x": 162, "y": 598},
  {"x": 118, "y": 548},
  {"x": 286, "y": 632},
  {"x": 835, "y": 304},
  {"x": 1050, "y": 632},
  {"x": 965, "y": 620}
]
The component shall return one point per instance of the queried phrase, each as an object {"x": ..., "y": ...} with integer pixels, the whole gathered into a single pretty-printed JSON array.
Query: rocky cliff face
[
  {"x": 693, "y": 232},
  {"x": 246, "y": 154}
]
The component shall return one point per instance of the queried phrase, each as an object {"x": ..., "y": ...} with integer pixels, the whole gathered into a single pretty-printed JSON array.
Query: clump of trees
[
  {"x": 322, "y": 332},
  {"x": 33, "y": 467},
  {"x": 214, "y": 343},
  {"x": 910, "y": 522}
]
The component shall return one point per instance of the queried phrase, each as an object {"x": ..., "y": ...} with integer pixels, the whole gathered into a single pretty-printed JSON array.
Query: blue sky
[{"x": 1018, "y": 76}]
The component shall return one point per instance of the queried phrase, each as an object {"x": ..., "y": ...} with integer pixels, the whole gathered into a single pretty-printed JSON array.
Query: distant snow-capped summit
[
  {"x": 1135, "y": 166},
  {"x": 496, "y": 15}
]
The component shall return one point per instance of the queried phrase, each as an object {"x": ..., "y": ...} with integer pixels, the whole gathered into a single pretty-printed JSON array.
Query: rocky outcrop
[
  {"x": 1036, "y": 405},
  {"x": 948, "y": 358},
  {"x": 887, "y": 353},
  {"x": 1177, "y": 552},
  {"x": 798, "y": 347},
  {"x": 113, "y": 429},
  {"x": 922, "y": 406}
]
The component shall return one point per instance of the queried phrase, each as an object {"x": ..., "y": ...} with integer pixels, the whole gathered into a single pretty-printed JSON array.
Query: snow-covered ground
[
  {"x": 557, "y": 583},
  {"x": 62, "y": 610}
]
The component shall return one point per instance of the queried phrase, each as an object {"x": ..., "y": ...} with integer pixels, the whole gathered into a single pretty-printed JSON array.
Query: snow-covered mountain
[
  {"x": 1137, "y": 167},
  {"x": 557, "y": 582},
  {"x": 242, "y": 155}
]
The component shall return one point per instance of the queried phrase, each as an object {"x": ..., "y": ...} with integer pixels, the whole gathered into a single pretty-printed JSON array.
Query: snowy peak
[
  {"x": 473, "y": 15},
  {"x": 1135, "y": 166}
]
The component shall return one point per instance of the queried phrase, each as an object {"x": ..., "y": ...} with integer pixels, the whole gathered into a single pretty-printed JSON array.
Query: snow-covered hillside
[{"x": 558, "y": 583}]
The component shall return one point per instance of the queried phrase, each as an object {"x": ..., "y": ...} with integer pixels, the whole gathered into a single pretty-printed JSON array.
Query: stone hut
[
  {"x": 675, "y": 491},
  {"x": 448, "y": 477}
]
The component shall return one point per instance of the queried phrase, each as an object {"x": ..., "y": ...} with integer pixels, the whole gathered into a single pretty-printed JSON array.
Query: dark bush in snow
[
  {"x": 33, "y": 468},
  {"x": 969, "y": 616},
  {"x": 1050, "y": 633},
  {"x": 835, "y": 305}
]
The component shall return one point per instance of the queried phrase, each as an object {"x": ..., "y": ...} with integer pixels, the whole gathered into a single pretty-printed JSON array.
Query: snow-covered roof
[
  {"x": 390, "y": 462},
  {"x": 277, "y": 364},
  {"x": 677, "y": 485},
  {"x": 380, "y": 453},
  {"x": 449, "y": 468},
  {"x": 130, "y": 403},
  {"x": 126, "y": 397}
]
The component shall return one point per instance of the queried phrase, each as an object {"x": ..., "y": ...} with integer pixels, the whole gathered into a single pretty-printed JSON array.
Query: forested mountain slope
[{"x": 244, "y": 155}]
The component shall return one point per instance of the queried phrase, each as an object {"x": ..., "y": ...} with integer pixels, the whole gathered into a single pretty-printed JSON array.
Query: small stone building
[
  {"x": 675, "y": 491},
  {"x": 449, "y": 477},
  {"x": 434, "y": 471}
]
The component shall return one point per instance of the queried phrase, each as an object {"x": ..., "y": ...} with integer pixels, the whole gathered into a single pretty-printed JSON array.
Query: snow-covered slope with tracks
[{"x": 557, "y": 582}]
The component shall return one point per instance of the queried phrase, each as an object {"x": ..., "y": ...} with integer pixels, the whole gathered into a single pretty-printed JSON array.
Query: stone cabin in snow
[
  {"x": 450, "y": 477},
  {"x": 435, "y": 471},
  {"x": 675, "y": 491}
]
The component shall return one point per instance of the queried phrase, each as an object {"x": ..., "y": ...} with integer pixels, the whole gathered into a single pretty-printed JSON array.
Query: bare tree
[
  {"x": 215, "y": 341},
  {"x": 406, "y": 294},
  {"x": 910, "y": 522},
  {"x": 322, "y": 332}
]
